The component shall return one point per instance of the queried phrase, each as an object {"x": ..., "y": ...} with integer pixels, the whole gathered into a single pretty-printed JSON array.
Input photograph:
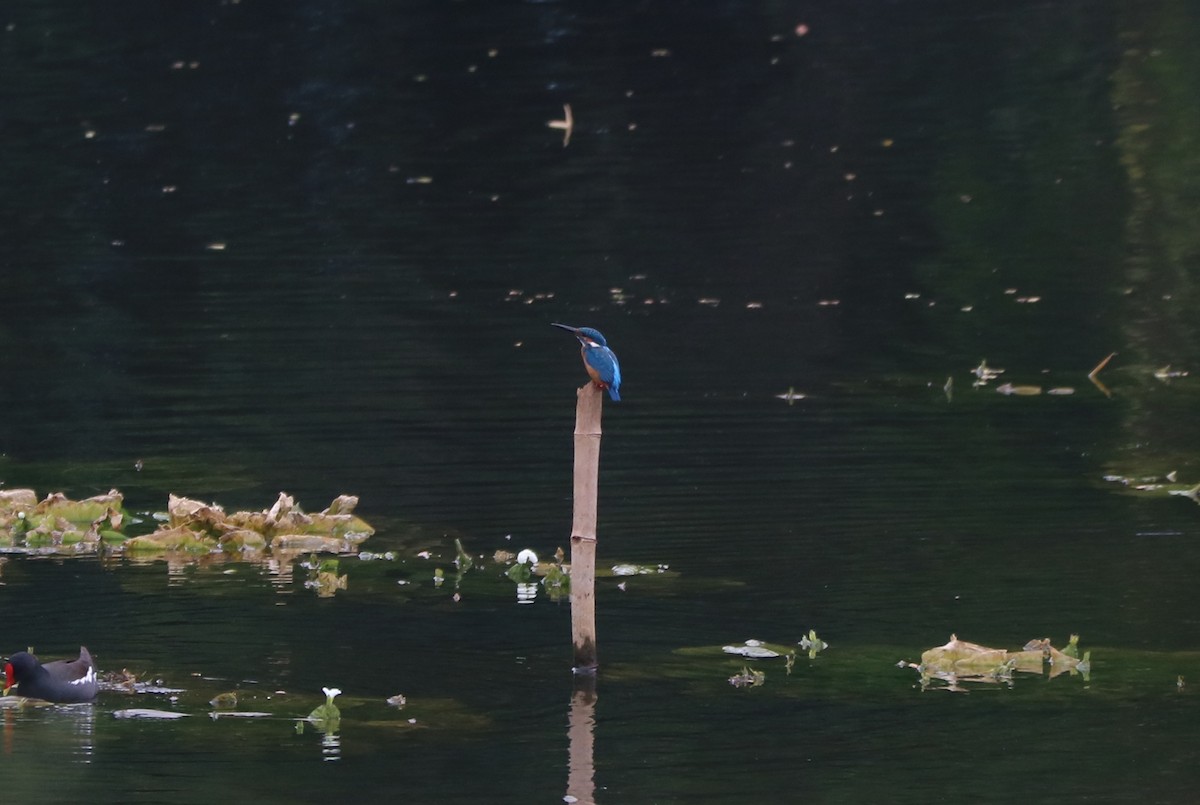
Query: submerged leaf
[{"x": 462, "y": 559}]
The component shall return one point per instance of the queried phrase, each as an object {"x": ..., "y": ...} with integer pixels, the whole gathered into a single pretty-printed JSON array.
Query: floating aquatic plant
[
  {"x": 960, "y": 661},
  {"x": 462, "y": 559},
  {"x": 326, "y": 717},
  {"x": 557, "y": 579},
  {"x": 522, "y": 570},
  {"x": 225, "y": 701},
  {"x": 813, "y": 644},
  {"x": 73, "y": 526},
  {"x": 323, "y": 576},
  {"x": 100, "y": 523}
]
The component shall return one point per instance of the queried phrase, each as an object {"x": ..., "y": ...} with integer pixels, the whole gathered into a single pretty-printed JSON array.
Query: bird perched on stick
[{"x": 598, "y": 359}]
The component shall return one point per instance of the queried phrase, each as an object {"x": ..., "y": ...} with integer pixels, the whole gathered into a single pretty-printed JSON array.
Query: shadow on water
[{"x": 255, "y": 246}]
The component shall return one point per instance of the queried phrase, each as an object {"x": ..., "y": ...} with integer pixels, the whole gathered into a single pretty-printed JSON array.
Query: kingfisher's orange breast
[{"x": 591, "y": 370}]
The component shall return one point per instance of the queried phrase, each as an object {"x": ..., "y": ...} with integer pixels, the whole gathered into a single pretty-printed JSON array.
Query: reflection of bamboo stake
[
  {"x": 1096, "y": 381},
  {"x": 581, "y": 739},
  {"x": 583, "y": 526}
]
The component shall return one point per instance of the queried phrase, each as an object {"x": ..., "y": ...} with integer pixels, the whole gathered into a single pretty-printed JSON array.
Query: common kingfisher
[{"x": 598, "y": 359}]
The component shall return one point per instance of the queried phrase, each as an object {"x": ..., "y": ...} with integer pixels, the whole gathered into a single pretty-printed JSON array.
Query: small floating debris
[
  {"x": 148, "y": 713},
  {"x": 1193, "y": 493},
  {"x": 985, "y": 374},
  {"x": 386, "y": 556},
  {"x": 323, "y": 576},
  {"x": 1166, "y": 373},
  {"x": 1093, "y": 375},
  {"x": 753, "y": 649},
  {"x": 1008, "y": 389},
  {"x": 748, "y": 678},
  {"x": 791, "y": 395},
  {"x": 1156, "y": 486},
  {"x": 629, "y": 569},
  {"x": 566, "y": 125}
]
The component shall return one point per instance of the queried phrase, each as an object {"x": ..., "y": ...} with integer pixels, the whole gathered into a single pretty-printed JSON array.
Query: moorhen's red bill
[{"x": 62, "y": 681}]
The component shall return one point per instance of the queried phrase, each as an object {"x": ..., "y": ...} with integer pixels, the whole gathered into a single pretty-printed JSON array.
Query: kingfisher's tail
[{"x": 612, "y": 392}]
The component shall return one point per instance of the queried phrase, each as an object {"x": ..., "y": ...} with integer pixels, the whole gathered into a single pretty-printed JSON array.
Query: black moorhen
[{"x": 63, "y": 681}]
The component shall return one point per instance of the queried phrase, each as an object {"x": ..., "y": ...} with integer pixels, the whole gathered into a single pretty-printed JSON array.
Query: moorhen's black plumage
[{"x": 62, "y": 681}]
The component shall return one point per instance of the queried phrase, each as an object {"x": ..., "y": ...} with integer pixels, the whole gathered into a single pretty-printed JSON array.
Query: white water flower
[
  {"x": 330, "y": 693},
  {"x": 527, "y": 556}
]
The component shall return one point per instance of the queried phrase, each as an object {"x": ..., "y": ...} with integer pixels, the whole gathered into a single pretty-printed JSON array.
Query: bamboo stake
[{"x": 588, "y": 409}]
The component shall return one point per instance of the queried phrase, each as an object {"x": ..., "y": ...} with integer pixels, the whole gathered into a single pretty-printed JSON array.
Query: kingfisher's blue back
[
  {"x": 602, "y": 365},
  {"x": 600, "y": 361}
]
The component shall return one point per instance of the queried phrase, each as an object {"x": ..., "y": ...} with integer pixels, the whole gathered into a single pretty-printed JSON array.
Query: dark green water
[{"x": 858, "y": 213}]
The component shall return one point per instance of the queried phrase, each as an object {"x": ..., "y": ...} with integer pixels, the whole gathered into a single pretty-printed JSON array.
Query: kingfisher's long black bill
[{"x": 566, "y": 327}]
